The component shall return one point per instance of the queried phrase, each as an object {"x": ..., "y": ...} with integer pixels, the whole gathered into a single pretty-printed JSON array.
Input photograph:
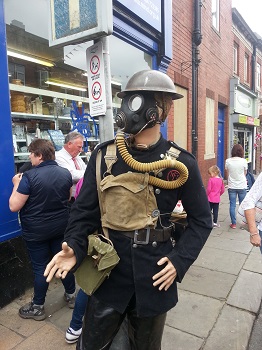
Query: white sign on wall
[
  {"x": 96, "y": 79},
  {"x": 75, "y": 21}
]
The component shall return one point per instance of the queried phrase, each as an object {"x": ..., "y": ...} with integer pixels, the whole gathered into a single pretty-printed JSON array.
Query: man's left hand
[{"x": 166, "y": 276}]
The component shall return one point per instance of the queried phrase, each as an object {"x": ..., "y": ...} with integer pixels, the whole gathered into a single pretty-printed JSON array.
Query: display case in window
[{"x": 49, "y": 111}]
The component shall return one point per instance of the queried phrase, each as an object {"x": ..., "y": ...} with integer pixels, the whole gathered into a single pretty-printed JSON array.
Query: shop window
[
  {"x": 209, "y": 132},
  {"x": 246, "y": 68},
  {"x": 16, "y": 72},
  {"x": 235, "y": 58},
  {"x": 258, "y": 77},
  {"x": 215, "y": 14}
]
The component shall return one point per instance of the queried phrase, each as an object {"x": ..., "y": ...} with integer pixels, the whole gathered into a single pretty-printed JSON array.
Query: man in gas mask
[{"x": 140, "y": 187}]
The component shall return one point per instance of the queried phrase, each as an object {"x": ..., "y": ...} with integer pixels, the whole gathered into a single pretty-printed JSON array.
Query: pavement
[{"x": 218, "y": 308}]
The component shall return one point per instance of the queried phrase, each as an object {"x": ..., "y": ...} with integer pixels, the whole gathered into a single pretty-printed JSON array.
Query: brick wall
[{"x": 215, "y": 68}]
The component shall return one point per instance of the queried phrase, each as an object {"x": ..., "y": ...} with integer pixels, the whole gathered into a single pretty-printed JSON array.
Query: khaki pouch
[{"x": 128, "y": 202}]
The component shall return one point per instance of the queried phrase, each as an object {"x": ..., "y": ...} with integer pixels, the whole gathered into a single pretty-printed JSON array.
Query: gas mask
[{"x": 138, "y": 112}]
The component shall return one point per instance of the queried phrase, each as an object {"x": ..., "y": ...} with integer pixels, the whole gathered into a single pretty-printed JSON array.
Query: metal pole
[{"x": 106, "y": 123}]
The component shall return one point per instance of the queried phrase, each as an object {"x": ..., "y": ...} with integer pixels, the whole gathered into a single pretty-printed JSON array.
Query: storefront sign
[
  {"x": 244, "y": 104},
  {"x": 96, "y": 79},
  {"x": 244, "y": 119},
  {"x": 148, "y": 10},
  {"x": 73, "y": 21}
]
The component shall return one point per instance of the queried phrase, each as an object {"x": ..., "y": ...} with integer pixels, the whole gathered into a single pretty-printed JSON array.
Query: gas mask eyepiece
[{"x": 137, "y": 112}]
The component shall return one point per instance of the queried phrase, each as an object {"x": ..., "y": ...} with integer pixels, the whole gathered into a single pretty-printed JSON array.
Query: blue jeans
[
  {"x": 79, "y": 310},
  {"x": 41, "y": 252},
  {"x": 232, "y": 194}
]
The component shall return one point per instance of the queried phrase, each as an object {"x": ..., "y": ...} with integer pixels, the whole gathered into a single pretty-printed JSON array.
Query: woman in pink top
[{"x": 215, "y": 188}]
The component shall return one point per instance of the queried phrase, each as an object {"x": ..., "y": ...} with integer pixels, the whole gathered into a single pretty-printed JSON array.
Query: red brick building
[
  {"x": 206, "y": 121},
  {"x": 202, "y": 74}
]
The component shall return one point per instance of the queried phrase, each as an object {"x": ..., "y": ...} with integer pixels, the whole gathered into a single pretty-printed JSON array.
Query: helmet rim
[{"x": 150, "y": 81}]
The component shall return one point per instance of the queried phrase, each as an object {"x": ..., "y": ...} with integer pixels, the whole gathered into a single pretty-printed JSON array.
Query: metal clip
[{"x": 146, "y": 241}]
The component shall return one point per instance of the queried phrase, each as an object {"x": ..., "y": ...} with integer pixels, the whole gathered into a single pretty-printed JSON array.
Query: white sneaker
[{"x": 72, "y": 336}]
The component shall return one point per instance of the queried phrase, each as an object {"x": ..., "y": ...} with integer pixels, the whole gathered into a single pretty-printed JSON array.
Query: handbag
[
  {"x": 96, "y": 267},
  {"x": 241, "y": 214}
]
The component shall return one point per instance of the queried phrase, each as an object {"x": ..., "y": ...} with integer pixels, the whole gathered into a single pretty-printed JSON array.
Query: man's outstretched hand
[{"x": 61, "y": 263}]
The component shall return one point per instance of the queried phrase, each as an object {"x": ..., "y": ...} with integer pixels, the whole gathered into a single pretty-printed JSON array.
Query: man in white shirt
[{"x": 68, "y": 157}]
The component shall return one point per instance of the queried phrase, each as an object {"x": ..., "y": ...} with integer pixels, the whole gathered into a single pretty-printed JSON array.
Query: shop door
[
  {"x": 243, "y": 136},
  {"x": 220, "y": 140}
]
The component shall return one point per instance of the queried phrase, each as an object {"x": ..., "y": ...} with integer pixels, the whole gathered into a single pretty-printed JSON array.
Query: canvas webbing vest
[{"x": 127, "y": 201}]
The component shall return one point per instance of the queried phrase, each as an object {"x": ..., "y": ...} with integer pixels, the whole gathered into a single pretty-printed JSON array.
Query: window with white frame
[
  {"x": 210, "y": 126},
  {"x": 258, "y": 76},
  {"x": 215, "y": 14},
  {"x": 235, "y": 59},
  {"x": 246, "y": 68}
]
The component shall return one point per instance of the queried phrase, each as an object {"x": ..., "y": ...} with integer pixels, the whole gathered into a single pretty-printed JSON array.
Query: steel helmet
[{"x": 150, "y": 80}]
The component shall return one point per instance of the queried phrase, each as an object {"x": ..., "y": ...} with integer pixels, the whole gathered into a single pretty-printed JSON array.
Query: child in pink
[{"x": 215, "y": 188}]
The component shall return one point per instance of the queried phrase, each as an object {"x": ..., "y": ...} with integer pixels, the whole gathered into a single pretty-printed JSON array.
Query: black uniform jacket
[{"x": 133, "y": 274}]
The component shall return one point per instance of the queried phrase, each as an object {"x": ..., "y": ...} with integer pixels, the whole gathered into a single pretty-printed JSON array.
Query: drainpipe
[
  {"x": 253, "y": 88},
  {"x": 196, "y": 41},
  {"x": 253, "y": 69}
]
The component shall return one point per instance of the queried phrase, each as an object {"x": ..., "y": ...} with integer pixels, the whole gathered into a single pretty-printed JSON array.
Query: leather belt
[{"x": 147, "y": 235}]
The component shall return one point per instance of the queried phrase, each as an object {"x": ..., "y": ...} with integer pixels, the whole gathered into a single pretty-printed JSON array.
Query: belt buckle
[{"x": 138, "y": 241}]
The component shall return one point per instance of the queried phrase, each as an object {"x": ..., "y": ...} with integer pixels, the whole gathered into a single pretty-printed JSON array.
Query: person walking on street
[
  {"x": 140, "y": 191},
  {"x": 252, "y": 203},
  {"x": 68, "y": 157},
  {"x": 215, "y": 189},
  {"x": 236, "y": 168},
  {"x": 41, "y": 195}
]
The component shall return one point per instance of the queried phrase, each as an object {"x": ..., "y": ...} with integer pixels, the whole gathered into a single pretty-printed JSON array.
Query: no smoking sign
[{"x": 96, "y": 80}]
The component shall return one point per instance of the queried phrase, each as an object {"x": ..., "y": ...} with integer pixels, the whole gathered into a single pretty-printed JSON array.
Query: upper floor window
[
  {"x": 246, "y": 68},
  {"x": 235, "y": 59},
  {"x": 215, "y": 14},
  {"x": 258, "y": 76}
]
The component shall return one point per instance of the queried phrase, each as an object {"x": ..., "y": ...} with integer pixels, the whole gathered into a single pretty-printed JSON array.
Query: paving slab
[
  {"x": 226, "y": 243},
  {"x": 46, "y": 338},
  {"x": 194, "y": 314},
  {"x": 247, "y": 291},
  {"x": 231, "y": 331},
  {"x": 61, "y": 319},
  {"x": 9, "y": 339},
  {"x": 221, "y": 260},
  {"x": 174, "y": 339},
  {"x": 207, "y": 282},
  {"x": 237, "y": 234},
  {"x": 255, "y": 340},
  {"x": 254, "y": 261},
  {"x": 9, "y": 318}
]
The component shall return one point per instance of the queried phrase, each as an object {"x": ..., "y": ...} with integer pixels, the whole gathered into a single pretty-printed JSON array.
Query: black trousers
[
  {"x": 101, "y": 324},
  {"x": 214, "y": 209}
]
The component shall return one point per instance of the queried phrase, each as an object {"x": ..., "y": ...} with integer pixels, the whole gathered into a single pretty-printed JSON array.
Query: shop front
[
  {"x": 48, "y": 87},
  {"x": 243, "y": 120}
]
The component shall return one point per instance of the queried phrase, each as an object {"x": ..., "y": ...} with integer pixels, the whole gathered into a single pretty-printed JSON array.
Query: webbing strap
[
  {"x": 98, "y": 180},
  {"x": 110, "y": 157},
  {"x": 173, "y": 152}
]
